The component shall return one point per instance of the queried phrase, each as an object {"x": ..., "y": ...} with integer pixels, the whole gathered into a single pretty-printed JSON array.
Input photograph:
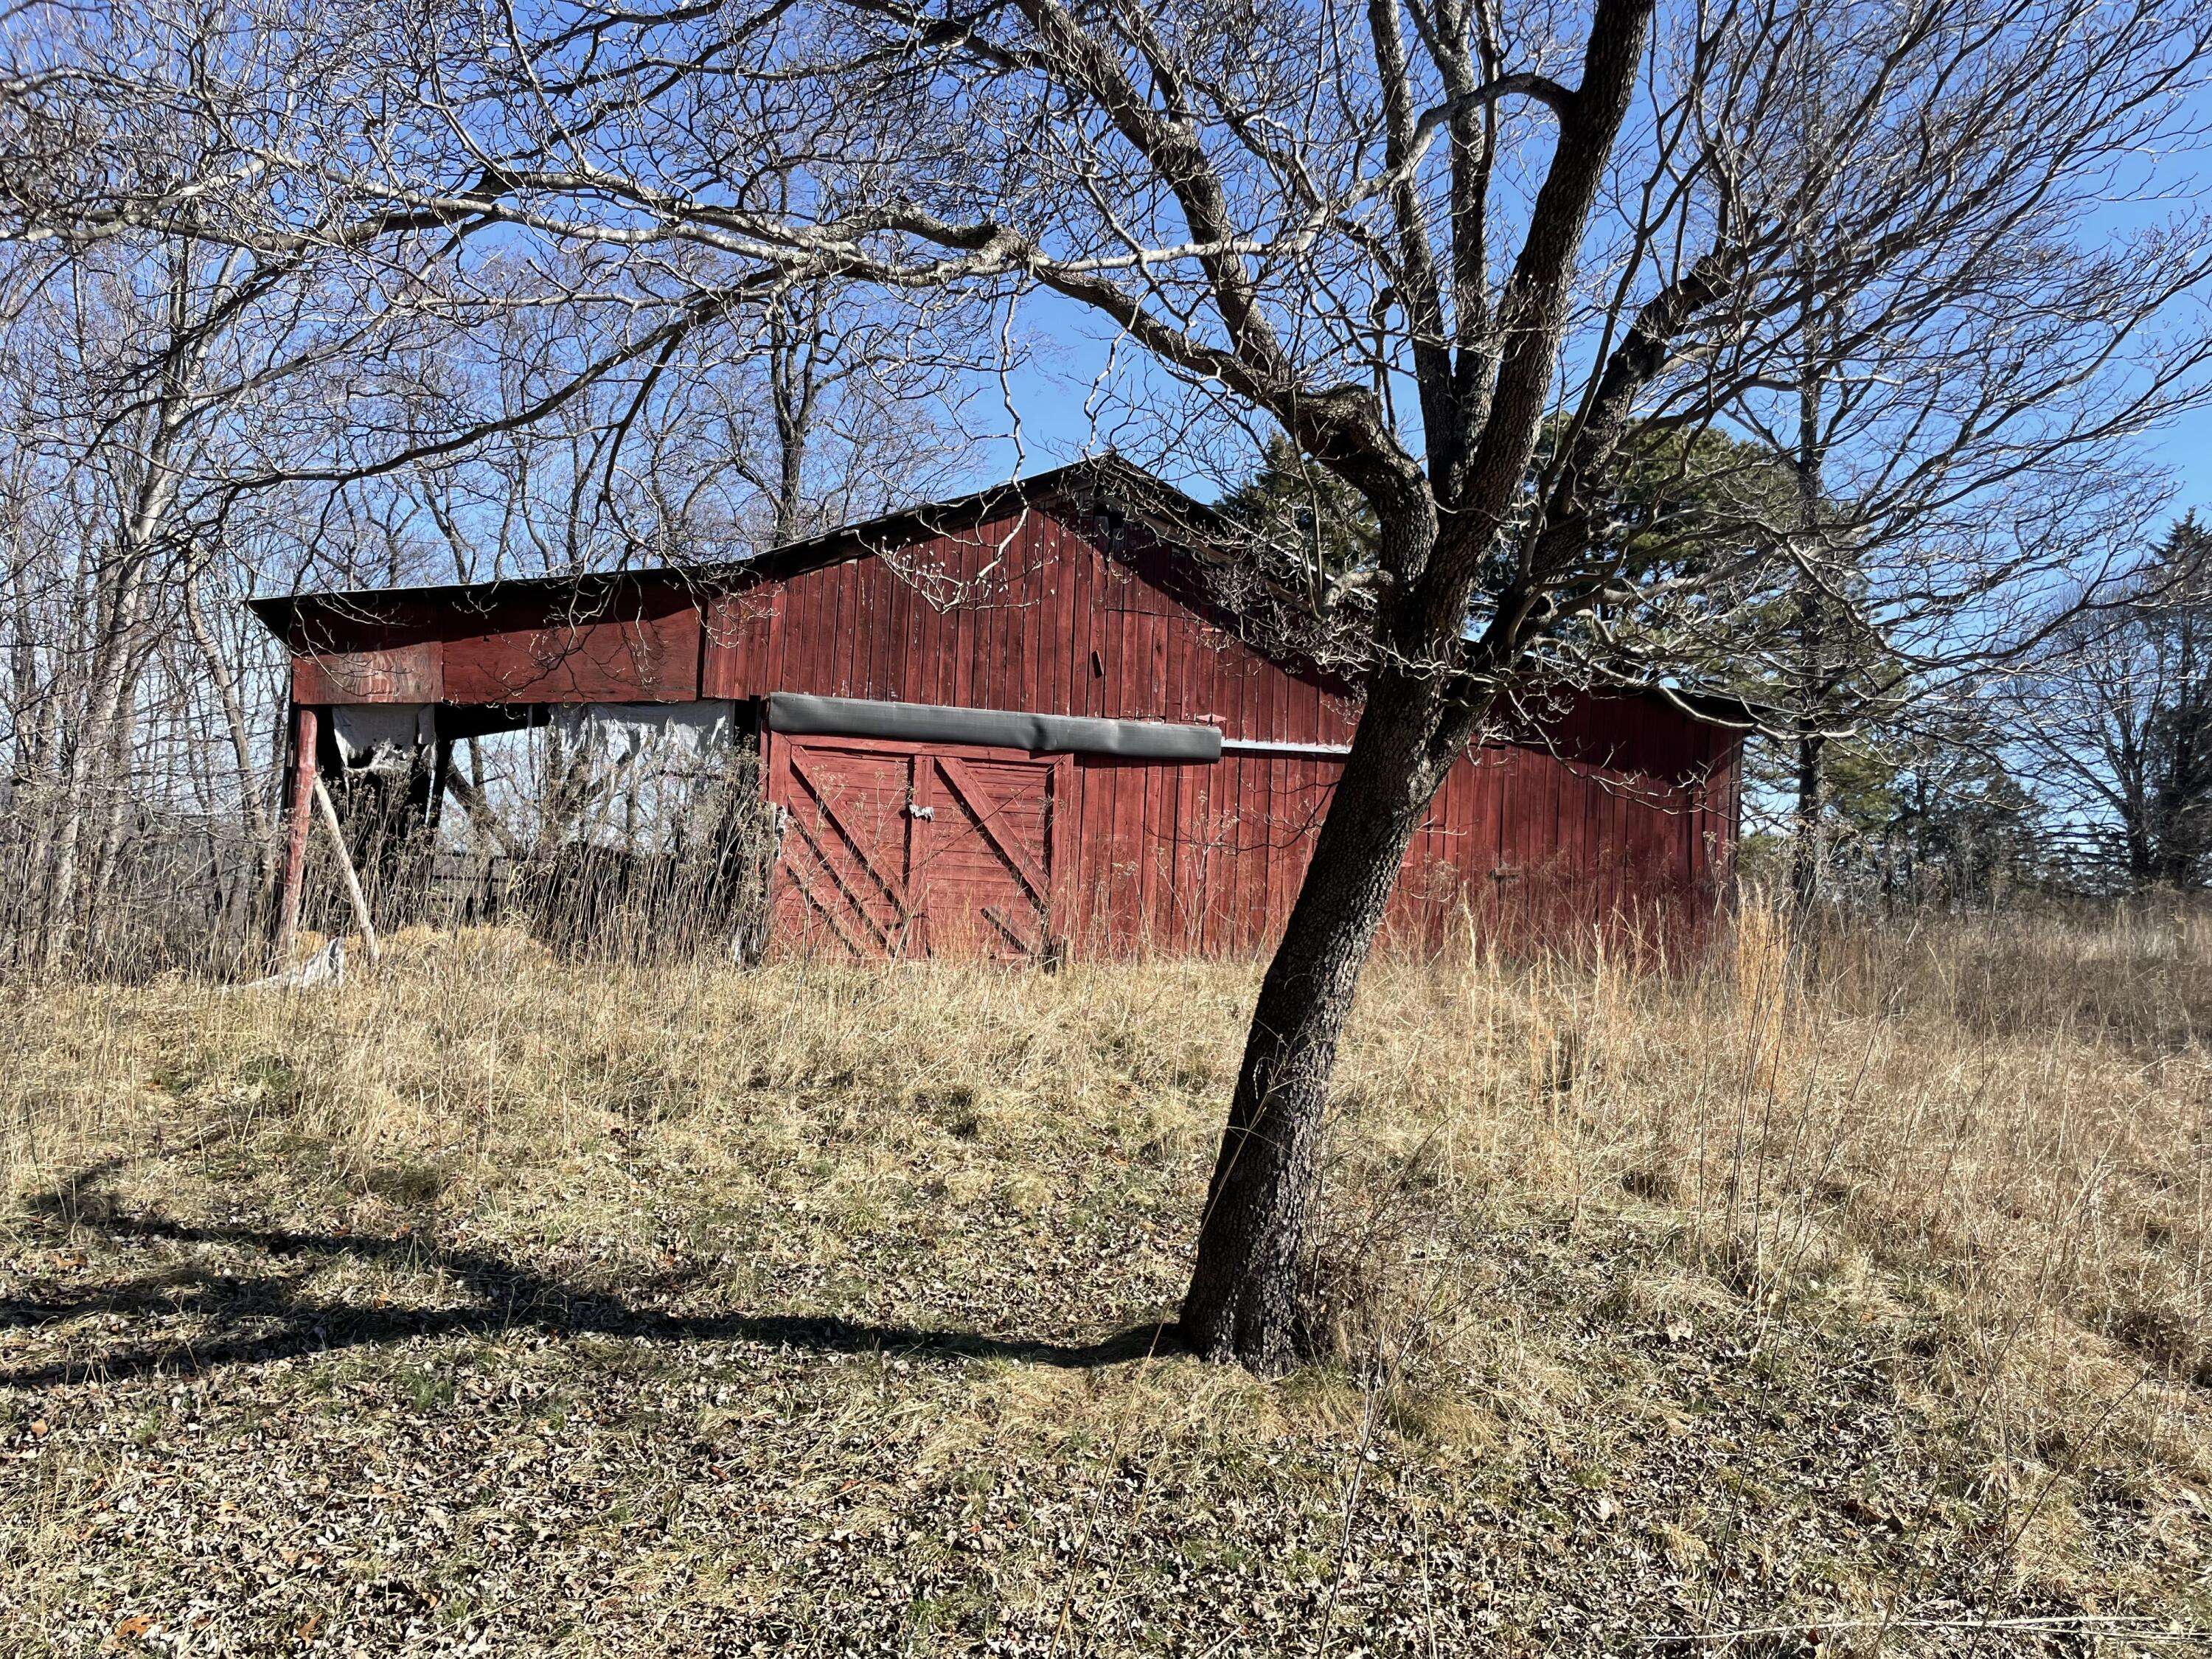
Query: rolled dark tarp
[{"x": 798, "y": 715}]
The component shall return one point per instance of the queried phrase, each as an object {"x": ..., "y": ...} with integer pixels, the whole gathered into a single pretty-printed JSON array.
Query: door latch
[{"x": 913, "y": 811}]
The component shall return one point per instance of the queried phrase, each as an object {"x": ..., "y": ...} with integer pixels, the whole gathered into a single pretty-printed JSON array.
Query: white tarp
[
  {"x": 663, "y": 731},
  {"x": 382, "y": 735}
]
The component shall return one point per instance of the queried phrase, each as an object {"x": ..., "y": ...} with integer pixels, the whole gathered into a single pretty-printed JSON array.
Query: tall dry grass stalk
[{"x": 1986, "y": 1142}]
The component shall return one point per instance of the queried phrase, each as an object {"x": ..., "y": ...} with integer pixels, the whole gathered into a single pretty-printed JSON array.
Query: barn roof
[
  {"x": 1170, "y": 512},
  {"x": 1102, "y": 476}
]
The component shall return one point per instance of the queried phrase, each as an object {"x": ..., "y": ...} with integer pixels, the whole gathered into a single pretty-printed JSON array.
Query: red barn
[{"x": 1016, "y": 724}]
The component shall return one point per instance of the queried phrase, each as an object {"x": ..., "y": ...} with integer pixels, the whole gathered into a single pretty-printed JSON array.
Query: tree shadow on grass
[{"x": 270, "y": 1316}]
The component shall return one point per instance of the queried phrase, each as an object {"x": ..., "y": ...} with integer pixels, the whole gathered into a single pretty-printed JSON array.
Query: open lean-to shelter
[{"x": 1021, "y": 724}]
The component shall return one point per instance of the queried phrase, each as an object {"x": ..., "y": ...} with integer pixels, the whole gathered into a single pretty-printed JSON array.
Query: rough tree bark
[
  {"x": 1250, "y": 1294},
  {"x": 1427, "y": 689}
]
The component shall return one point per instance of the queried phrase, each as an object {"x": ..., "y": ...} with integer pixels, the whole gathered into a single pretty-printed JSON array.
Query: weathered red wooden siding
[
  {"x": 1024, "y": 612},
  {"x": 900, "y": 848},
  {"x": 1621, "y": 810},
  {"x": 638, "y": 648},
  {"x": 634, "y": 641},
  {"x": 1610, "y": 820},
  {"x": 1516, "y": 845}
]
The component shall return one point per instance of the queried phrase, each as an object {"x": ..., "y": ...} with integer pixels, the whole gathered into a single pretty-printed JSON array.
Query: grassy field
[{"x": 496, "y": 1304}]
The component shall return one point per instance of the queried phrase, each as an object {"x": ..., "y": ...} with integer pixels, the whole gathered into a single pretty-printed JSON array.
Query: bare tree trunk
[
  {"x": 2140, "y": 863},
  {"x": 121, "y": 598},
  {"x": 1251, "y": 1291},
  {"x": 32, "y": 696},
  {"x": 793, "y": 359},
  {"x": 115, "y": 803},
  {"x": 1247, "y": 1299},
  {"x": 1808, "y": 853},
  {"x": 92, "y": 748},
  {"x": 260, "y": 823}
]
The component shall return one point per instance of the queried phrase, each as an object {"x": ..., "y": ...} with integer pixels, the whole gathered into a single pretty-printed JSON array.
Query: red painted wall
[
  {"x": 1624, "y": 810},
  {"x": 1022, "y": 613},
  {"x": 637, "y": 642},
  {"x": 1627, "y": 812}
]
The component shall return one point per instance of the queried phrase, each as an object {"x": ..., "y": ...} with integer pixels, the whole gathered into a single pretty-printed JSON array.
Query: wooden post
[{"x": 300, "y": 807}]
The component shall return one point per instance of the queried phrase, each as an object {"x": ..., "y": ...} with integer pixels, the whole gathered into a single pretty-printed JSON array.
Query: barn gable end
[{"x": 1025, "y": 611}]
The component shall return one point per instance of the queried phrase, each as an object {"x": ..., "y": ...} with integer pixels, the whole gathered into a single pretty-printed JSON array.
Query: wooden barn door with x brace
[{"x": 901, "y": 849}]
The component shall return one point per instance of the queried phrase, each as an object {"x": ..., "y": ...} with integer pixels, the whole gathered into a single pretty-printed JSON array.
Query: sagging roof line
[{"x": 785, "y": 557}]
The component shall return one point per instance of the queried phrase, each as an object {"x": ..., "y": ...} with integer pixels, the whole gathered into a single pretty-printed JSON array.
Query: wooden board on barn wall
[
  {"x": 1622, "y": 734},
  {"x": 351, "y": 653},
  {"x": 625, "y": 648},
  {"x": 1025, "y": 611},
  {"x": 406, "y": 673},
  {"x": 1226, "y": 859}
]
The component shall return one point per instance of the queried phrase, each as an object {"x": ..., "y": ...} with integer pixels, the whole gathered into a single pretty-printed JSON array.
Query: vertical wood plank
[{"x": 301, "y": 807}]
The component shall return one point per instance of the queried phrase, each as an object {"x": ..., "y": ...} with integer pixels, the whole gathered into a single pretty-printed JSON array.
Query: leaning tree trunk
[
  {"x": 1247, "y": 1290},
  {"x": 1249, "y": 1295}
]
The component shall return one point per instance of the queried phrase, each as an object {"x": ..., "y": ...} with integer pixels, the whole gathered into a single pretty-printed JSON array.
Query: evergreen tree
[{"x": 1295, "y": 508}]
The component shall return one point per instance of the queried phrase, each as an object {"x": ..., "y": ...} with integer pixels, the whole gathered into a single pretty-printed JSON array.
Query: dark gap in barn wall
[{"x": 634, "y": 852}]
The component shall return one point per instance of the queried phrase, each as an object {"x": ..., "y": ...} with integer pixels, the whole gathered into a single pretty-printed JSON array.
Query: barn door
[
  {"x": 985, "y": 850},
  {"x": 844, "y": 881},
  {"x": 895, "y": 849}
]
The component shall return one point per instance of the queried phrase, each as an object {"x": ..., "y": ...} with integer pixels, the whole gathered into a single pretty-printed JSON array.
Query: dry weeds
[{"x": 1853, "y": 1305}]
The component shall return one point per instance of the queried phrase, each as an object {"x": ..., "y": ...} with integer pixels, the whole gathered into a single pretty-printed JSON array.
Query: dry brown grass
[{"x": 1856, "y": 1294}]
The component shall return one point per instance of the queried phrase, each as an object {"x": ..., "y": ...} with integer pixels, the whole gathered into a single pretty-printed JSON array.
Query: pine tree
[{"x": 1295, "y": 507}]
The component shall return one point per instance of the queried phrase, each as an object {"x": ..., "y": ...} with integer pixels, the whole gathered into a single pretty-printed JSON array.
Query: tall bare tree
[
  {"x": 2112, "y": 717},
  {"x": 122, "y": 385},
  {"x": 317, "y": 391}
]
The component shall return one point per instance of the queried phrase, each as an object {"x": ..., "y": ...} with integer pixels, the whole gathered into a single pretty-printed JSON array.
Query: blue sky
[
  {"x": 2175, "y": 185},
  {"x": 1050, "y": 400},
  {"x": 2186, "y": 450}
]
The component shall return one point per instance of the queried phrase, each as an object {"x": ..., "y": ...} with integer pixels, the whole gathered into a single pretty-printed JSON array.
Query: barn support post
[{"x": 299, "y": 811}]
